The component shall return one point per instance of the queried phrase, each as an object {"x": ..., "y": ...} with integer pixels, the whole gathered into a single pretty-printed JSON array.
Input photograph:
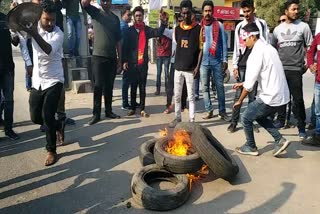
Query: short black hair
[
  {"x": 124, "y": 10},
  {"x": 247, "y": 3},
  {"x": 288, "y": 3},
  {"x": 48, "y": 6},
  {"x": 186, "y": 3},
  {"x": 252, "y": 27},
  {"x": 207, "y": 3},
  {"x": 138, "y": 8}
]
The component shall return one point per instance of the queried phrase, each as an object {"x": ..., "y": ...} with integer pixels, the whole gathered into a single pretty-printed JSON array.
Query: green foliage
[
  {"x": 270, "y": 10},
  {"x": 5, "y": 6}
]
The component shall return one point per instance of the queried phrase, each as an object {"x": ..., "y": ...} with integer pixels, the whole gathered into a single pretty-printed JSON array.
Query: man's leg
[
  {"x": 125, "y": 89},
  {"x": 35, "y": 106},
  {"x": 184, "y": 95},
  {"x": 178, "y": 84},
  {"x": 77, "y": 35},
  {"x": 205, "y": 82},
  {"x": 109, "y": 78},
  {"x": 159, "y": 71},
  {"x": 143, "y": 73},
  {"x": 133, "y": 81},
  {"x": 294, "y": 79},
  {"x": 8, "y": 104},
  {"x": 317, "y": 107},
  {"x": 191, "y": 94},
  {"x": 70, "y": 37},
  {"x": 170, "y": 86},
  {"x": 166, "y": 65}
]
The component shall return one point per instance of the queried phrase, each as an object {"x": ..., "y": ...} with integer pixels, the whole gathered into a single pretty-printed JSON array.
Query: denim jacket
[{"x": 222, "y": 47}]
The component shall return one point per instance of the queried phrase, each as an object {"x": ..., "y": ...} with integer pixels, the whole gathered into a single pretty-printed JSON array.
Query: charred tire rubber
[
  {"x": 211, "y": 151},
  {"x": 176, "y": 164},
  {"x": 146, "y": 152},
  {"x": 146, "y": 196}
]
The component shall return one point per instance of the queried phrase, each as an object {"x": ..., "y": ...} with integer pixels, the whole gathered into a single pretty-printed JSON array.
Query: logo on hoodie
[{"x": 287, "y": 37}]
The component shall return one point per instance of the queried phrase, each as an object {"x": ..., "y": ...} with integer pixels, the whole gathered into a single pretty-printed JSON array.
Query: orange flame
[
  {"x": 164, "y": 132},
  {"x": 198, "y": 175},
  {"x": 180, "y": 144}
]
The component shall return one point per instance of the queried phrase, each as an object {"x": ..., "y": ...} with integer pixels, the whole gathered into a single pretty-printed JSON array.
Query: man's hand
[
  {"x": 237, "y": 86},
  {"x": 236, "y": 73},
  {"x": 125, "y": 66},
  {"x": 85, "y": 3},
  {"x": 237, "y": 104},
  {"x": 13, "y": 5},
  {"x": 224, "y": 66},
  {"x": 313, "y": 68},
  {"x": 196, "y": 71},
  {"x": 29, "y": 70}
]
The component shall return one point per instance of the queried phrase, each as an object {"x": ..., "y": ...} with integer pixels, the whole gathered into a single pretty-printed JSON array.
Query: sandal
[
  {"x": 144, "y": 114},
  {"x": 167, "y": 111},
  {"x": 131, "y": 112},
  {"x": 51, "y": 159}
]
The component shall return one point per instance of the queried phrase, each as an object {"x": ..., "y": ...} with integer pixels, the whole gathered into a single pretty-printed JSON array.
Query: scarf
[
  {"x": 184, "y": 26},
  {"x": 215, "y": 33},
  {"x": 141, "y": 41}
]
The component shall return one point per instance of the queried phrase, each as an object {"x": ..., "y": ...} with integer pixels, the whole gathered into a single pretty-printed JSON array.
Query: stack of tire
[{"x": 158, "y": 165}]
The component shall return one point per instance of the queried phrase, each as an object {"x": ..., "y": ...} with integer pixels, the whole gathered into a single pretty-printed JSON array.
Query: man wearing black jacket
[
  {"x": 135, "y": 57},
  {"x": 7, "y": 77}
]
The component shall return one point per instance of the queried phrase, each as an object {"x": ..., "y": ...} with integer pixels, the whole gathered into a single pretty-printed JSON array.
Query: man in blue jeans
[
  {"x": 263, "y": 66},
  {"x": 315, "y": 69},
  {"x": 214, "y": 60}
]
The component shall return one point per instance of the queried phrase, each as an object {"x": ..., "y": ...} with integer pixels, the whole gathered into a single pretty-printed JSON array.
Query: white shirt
[
  {"x": 264, "y": 66},
  {"x": 47, "y": 69}
]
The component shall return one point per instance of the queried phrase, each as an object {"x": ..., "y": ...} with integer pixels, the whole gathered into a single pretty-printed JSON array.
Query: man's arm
[
  {"x": 312, "y": 52},
  {"x": 156, "y": 32},
  {"x": 307, "y": 35},
  {"x": 243, "y": 95},
  {"x": 224, "y": 48}
]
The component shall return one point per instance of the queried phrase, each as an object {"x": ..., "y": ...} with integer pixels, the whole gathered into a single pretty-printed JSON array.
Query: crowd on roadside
[{"x": 268, "y": 70}]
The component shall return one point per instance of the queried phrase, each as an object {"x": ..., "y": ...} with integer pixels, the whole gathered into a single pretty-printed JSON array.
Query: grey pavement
[{"x": 94, "y": 170}]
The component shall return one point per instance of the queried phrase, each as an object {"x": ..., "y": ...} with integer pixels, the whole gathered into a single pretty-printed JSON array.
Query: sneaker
[
  {"x": 256, "y": 128},
  {"x": 94, "y": 120},
  {"x": 112, "y": 115},
  {"x": 247, "y": 150},
  {"x": 144, "y": 114},
  {"x": 12, "y": 135},
  {"x": 174, "y": 123},
  {"x": 311, "y": 126},
  {"x": 312, "y": 141},
  {"x": 280, "y": 146},
  {"x": 157, "y": 93},
  {"x": 232, "y": 127},
  {"x": 224, "y": 116},
  {"x": 131, "y": 112},
  {"x": 278, "y": 125},
  {"x": 302, "y": 134},
  {"x": 289, "y": 125},
  {"x": 207, "y": 115}
]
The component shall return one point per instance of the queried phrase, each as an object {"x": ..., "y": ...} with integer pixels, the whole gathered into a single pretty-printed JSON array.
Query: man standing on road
[
  {"x": 315, "y": 69},
  {"x": 107, "y": 47},
  {"x": 291, "y": 39},
  {"x": 263, "y": 66},
  {"x": 47, "y": 78},
  {"x": 241, "y": 54},
  {"x": 6, "y": 77},
  {"x": 187, "y": 59},
  {"x": 214, "y": 59}
]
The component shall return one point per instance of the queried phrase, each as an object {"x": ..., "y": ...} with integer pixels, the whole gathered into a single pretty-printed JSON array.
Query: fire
[
  {"x": 198, "y": 175},
  {"x": 164, "y": 132},
  {"x": 180, "y": 144}
]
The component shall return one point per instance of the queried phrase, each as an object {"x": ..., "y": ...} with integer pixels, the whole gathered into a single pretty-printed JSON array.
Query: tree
[
  {"x": 5, "y": 6},
  {"x": 270, "y": 10}
]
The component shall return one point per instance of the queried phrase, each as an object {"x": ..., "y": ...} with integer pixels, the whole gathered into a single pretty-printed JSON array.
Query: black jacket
[
  {"x": 130, "y": 44},
  {"x": 6, "y": 60}
]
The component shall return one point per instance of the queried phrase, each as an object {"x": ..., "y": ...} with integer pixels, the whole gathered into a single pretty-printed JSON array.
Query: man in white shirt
[
  {"x": 263, "y": 66},
  {"x": 47, "y": 78}
]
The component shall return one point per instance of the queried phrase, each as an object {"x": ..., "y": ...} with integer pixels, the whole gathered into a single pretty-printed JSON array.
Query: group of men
[{"x": 197, "y": 50}]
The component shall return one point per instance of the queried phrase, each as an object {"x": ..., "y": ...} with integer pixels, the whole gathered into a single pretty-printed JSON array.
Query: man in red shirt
[{"x": 315, "y": 69}]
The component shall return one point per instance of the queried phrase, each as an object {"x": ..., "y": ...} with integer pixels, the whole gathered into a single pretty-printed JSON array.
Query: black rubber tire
[
  {"x": 176, "y": 164},
  {"x": 146, "y": 152},
  {"x": 211, "y": 151},
  {"x": 146, "y": 196}
]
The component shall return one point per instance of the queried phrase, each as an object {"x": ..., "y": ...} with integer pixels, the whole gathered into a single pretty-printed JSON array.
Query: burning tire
[
  {"x": 176, "y": 164},
  {"x": 211, "y": 151},
  {"x": 146, "y": 152},
  {"x": 154, "y": 199}
]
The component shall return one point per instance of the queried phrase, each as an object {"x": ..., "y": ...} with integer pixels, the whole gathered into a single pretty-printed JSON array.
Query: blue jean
[
  {"x": 196, "y": 87},
  {"x": 217, "y": 74},
  {"x": 317, "y": 106},
  {"x": 258, "y": 111},
  {"x": 313, "y": 113},
  {"x": 162, "y": 60},
  {"x": 125, "y": 88},
  {"x": 28, "y": 80},
  {"x": 74, "y": 34},
  {"x": 7, "y": 88}
]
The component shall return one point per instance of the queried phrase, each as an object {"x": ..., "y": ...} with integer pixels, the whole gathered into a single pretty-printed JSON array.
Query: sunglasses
[{"x": 281, "y": 20}]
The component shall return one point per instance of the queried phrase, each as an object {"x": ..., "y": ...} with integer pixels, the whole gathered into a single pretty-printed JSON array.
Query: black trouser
[
  {"x": 251, "y": 96},
  {"x": 7, "y": 88},
  {"x": 104, "y": 73},
  {"x": 138, "y": 78},
  {"x": 294, "y": 80},
  {"x": 61, "y": 111},
  {"x": 43, "y": 106},
  {"x": 170, "y": 89}
]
